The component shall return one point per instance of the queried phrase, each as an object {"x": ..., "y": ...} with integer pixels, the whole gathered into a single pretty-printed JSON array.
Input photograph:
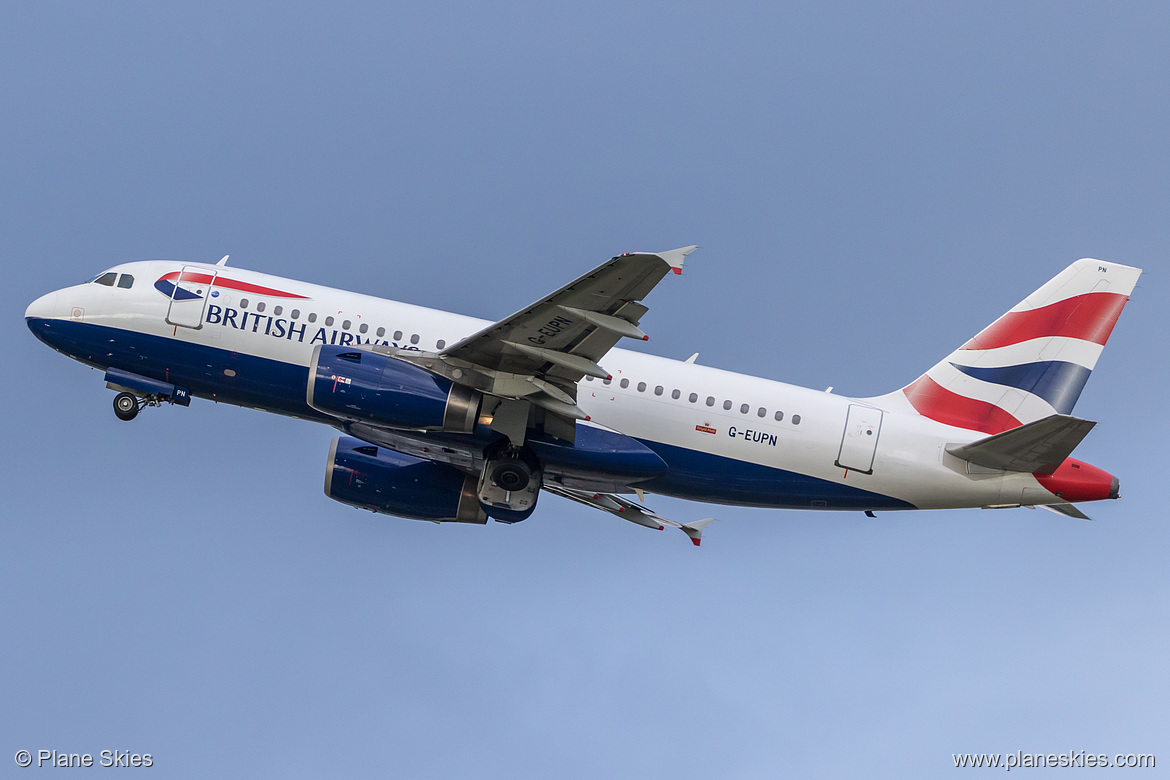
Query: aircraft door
[
  {"x": 189, "y": 294},
  {"x": 863, "y": 425}
]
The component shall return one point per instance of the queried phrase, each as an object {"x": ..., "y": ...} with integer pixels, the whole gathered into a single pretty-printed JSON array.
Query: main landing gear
[{"x": 509, "y": 484}]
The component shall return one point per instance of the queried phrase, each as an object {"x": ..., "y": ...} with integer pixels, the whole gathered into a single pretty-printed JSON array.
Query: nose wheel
[{"x": 126, "y": 406}]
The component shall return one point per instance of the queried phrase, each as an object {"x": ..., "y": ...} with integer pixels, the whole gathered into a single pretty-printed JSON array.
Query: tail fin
[{"x": 1033, "y": 361}]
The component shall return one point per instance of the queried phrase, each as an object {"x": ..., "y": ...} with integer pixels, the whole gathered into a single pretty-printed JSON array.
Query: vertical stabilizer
[{"x": 1033, "y": 361}]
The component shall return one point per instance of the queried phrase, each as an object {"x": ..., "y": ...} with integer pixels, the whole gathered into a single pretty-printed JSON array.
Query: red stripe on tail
[
  {"x": 933, "y": 400},
  {"x": 1090, "y": 317}
]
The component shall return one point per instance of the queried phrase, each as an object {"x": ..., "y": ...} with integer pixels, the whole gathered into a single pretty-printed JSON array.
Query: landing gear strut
[{"x": 126, "y": 406}]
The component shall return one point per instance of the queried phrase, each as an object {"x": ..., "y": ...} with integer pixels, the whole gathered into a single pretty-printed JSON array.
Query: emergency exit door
[
  {"x": 189, "y": 294},
  {"x": 863, "y": 426}
]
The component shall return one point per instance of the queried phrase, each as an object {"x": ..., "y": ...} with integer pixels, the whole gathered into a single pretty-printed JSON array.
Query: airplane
[{"x": 449, "y": 418}]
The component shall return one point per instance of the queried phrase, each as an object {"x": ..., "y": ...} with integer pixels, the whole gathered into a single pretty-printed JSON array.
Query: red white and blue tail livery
[
  {"x": 1033, "y": 361},
  {"x": 453, "y": 419}
]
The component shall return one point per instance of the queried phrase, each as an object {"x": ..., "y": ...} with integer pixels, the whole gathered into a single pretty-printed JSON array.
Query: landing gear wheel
[
  {"x": 512, "y": 475},
  {"x": 125, "y": 406}
]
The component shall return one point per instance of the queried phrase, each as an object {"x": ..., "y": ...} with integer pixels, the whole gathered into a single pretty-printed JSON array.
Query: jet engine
[
  {"x": 361, "y": 386},
  {"x": 382, "y": 480}
]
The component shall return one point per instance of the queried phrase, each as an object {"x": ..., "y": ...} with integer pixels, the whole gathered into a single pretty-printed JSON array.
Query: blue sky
[{"x": 870, "y": 185}]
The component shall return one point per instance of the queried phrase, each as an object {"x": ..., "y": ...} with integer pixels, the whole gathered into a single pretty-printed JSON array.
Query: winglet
[
  {"x": 675, "y": 256},
  {"x": 223, "y": 260},
  {"x": 695, "y": 529}
]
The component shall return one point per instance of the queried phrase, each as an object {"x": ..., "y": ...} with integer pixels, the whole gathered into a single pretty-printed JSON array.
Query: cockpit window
[
  {"x": 125, "y": 281},
  {"x": 107, "y": 279}
]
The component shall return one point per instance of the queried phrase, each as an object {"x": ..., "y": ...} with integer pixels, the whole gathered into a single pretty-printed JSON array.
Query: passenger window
[
  {"x": 588, "y": 378},
  {"x": 796, "y": 419},
  {"x": 345, "y": 325},
  {"x": 727, "y": 406},
  {"x": 380, "y": 332},
  {"x": 414, "y": 338},
  {"x": 641, "y": 387},
  {"x": 125, "y": 281},
  {"x": 328, "y": 321},
  {"x": 693, "y": 397},
  {"x": 440, "y": 344},
  {"x": 762, "y": 413},
  {"x": 779, "y": 416},
  {"x": 106, "y": 280},
  {"x": 243, "y": 303},
  {"x": 312, "y": 316},
  {"x": 295, "y": 313},
  {"x": 398, "y": 335},
  {"x": 363, "y": 328},
  {"x": 625, "y": 383},
  {"x": 607, "y": 381},
  {"x": 675, "y": 394},
  {"x": 278, "y": 310},
  {"x": 710, "y": 400},
  {"x": 260, "y": 306},
  {"x": 658, "y": 390},
  {"x": 744, "y": 409}
]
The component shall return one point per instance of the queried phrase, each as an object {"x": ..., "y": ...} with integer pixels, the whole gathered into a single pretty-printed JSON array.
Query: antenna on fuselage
[{"x": 223, "y": 260}]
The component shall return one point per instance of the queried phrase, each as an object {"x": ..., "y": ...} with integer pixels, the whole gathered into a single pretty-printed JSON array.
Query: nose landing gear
[{"x": 126, "y": 406}]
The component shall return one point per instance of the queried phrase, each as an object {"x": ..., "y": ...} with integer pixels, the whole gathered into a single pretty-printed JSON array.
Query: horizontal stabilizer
[
  {"x": 1068, "y": 510},
  {"x": 1036, "y": 448}
]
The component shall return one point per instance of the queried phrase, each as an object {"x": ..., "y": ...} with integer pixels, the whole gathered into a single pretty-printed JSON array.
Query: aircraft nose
[{"x": 43, "y": 307}]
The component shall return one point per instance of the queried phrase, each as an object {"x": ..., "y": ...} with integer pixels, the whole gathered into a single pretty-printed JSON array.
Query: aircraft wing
[
  {"x": 628, "y": 510},
  {"x": 564, "y": 335}
]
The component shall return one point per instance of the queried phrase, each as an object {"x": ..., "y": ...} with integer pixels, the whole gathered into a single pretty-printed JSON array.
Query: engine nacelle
[
  {"x": 361, "y": 386},
  {"x": 381, "y": 480}
]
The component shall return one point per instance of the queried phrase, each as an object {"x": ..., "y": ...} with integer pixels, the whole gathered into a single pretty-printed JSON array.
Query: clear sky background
[{"x": 870, "y": 184}]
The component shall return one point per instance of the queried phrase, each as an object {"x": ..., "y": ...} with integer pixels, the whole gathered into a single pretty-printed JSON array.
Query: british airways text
[{"x": 280, "y": 328}]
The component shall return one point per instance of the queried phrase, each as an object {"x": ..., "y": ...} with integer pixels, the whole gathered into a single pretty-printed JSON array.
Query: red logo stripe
[
  {"x": 933, "y": 400},
  {"x": 1090, "y": 317},
  {"x": 232, "y": 284}
]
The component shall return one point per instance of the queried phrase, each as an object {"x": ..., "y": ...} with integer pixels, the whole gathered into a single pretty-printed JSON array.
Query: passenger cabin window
[
  {"x": 762, "y": 412},
  {"x": 693, "y": 397},
  {"x": 295, "y": 313},
  {"x": 744, "y": 409},
  {"x": 398, "y": 335},
  {"x": 328, "y": 322},
  {"x": 414, "y": 339},
  {"x": 106, "y": 279},
  {"x": 364, "y": 327},
  {"x": 125, "y": 281},
  {"x": 312, "y": 316},
  {"x": 675, "y": 394},
  {"x": 727, "y": 406},
  {"x": 779, "y": 416},
  {"x": 440, "y": 344},
  {"x": 260, "y": 306},
  {"x": 796, "y": 419},
  {"x": 345, "y": 325},
  {"x": 243, "y": 303},
  {"x": 658, "y": 390},
  {"x": 278, "y": 310},
  {"x": 710, "y": 400},
  {"x": 380, "y": 332},
  {"x": 625, "y": 383}
]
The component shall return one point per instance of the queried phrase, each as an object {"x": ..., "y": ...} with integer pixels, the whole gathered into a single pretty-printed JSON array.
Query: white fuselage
[{"x": 649, "y": 397}]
